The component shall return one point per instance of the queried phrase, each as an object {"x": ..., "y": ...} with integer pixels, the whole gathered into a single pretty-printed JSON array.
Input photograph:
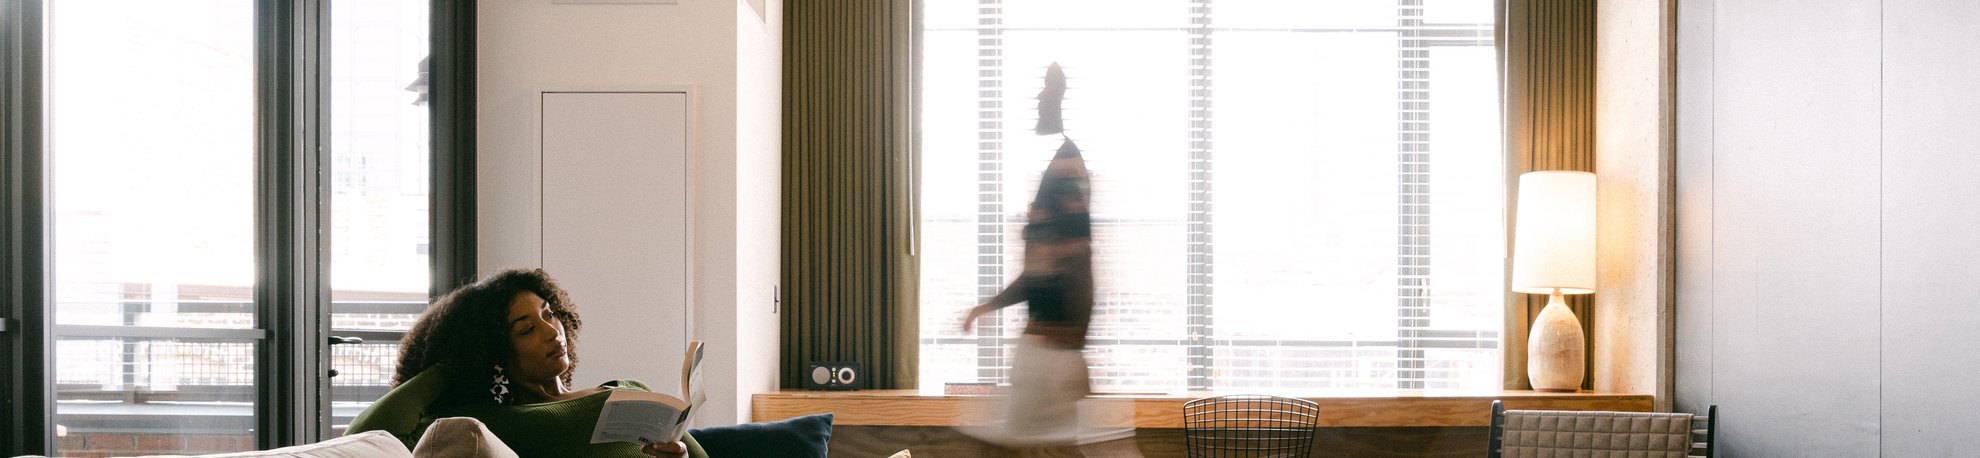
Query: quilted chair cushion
[{"x": 1569, "y": 434}]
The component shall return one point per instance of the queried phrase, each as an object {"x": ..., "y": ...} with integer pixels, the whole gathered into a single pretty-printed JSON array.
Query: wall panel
[
  {"x": 616, "y": 228},
  {"x": 1931, "y": 209},
  {"x": 1794, "y": 237},
  {"x": 1631, "y": 319},
  {"x": 1694, "y": 207},
  {"x": 1827, "y": 166},
  {"x": 528, "y": 46}
]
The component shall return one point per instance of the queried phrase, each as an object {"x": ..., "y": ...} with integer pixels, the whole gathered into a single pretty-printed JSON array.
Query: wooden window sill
[{"x": 1386, "y": 409}]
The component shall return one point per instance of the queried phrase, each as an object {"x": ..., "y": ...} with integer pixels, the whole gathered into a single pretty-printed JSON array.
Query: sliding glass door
[
  {"x": 379, "y": 191},
  {"x": 150, "y": 147},
  {"x": 222, "y": 214}
]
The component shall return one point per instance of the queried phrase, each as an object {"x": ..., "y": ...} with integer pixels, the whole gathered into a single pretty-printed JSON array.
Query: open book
[{"x": 642, "y": 416}]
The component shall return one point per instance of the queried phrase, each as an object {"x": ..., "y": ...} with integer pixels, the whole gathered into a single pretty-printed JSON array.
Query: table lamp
[{"x": 1554, "y": 254}]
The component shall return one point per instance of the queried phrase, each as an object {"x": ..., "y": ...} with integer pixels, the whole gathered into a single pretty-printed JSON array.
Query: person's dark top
[{"x": 1057, "y": 282}]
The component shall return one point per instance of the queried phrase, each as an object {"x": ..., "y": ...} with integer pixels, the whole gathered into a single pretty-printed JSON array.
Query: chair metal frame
[
  {"x": 1249, "y": 426},
  {"x": 1704, "y": 430}
]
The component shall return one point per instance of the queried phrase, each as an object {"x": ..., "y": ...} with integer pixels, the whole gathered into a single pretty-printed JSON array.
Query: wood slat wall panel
[
  {"x": 909, "y": 408},
  {"x": 945, "y": 442}
]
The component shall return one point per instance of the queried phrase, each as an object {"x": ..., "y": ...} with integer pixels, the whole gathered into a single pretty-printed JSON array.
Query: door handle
[{"x": 341, "y": 340}]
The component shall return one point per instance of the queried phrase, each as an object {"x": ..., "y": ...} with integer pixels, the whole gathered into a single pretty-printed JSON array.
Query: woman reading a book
[{"x": 502, "y": 351}]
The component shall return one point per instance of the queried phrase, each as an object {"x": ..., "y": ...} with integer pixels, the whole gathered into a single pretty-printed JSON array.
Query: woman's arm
[
  {"x": 401, "y": 409},
  {"x": 1012, "y": 294}
]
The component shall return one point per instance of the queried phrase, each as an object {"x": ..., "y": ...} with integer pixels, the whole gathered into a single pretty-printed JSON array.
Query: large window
[
  {"x": 380, "y": 250},
  {"x": 238, "y": 201},
  {"x": 1288, "y": 194},
  {"x": 151, "y": 186}
]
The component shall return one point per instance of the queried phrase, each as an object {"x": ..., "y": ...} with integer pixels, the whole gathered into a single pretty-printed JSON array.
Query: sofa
[
  {"x": 404, "y": 413},
  {"x": 805, "y": 436},
  {"x": 398, "y": 425},
  {"x": 368, "y": 444}
]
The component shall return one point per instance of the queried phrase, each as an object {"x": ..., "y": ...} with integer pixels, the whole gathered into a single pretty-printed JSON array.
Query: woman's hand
[
  {"x": 969, "y": 319},
  {"x": 674, "y": 449}
]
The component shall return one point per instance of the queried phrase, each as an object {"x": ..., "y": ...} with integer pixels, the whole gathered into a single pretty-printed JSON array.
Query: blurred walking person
[{"x": 1049, "y": 371}]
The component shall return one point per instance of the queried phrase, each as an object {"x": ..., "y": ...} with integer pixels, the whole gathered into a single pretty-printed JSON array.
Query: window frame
[
  {"x": 291, "y": 214},
  {"x": 24, "y": 340}
]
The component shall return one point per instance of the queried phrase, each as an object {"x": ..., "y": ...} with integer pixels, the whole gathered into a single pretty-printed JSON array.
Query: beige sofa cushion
[
  {"x": 447, "y": 438},
  {"x": 461, "y": 437},
  {"x": 370, "y": 444}
]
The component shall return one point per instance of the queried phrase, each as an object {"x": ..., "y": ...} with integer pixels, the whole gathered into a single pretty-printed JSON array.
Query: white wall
[
  {"x": 759, "y": 121},
  {"x": 1931, "y": 248},
  {"x": 1631, "y": 147},
  {"x": 1827, "y": 253},
  {"x": 617, "y": 227},
  {"x": 729, "y": 56}
]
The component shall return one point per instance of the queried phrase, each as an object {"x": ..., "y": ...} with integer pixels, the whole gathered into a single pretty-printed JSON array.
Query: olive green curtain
[
  {"x": 849, "y": 252},
  {"x": 1547, "y": 62}
]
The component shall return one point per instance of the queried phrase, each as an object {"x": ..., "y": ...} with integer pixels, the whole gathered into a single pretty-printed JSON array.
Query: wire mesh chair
[
  {"x": 1595, "y": 434},
  {"x": 1249, "y": 426}
]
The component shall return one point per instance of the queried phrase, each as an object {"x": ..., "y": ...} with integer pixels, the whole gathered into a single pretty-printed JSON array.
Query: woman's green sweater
[{"x": 551, "y": 429}]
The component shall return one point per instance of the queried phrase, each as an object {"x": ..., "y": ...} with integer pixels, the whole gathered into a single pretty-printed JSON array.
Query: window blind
[{"x": 1287, "y": 194}]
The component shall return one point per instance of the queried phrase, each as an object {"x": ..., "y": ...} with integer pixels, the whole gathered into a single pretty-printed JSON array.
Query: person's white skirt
[
  {"x": 1047, "y": 384},
  {"x": 1047, "y": 404}
]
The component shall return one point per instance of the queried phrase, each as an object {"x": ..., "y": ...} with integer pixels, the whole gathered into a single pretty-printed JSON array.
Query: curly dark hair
[{"x": 466, "y": 332}]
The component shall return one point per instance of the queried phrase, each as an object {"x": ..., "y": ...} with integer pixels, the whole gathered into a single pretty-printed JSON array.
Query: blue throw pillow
[{"x": 804, "y": 436}]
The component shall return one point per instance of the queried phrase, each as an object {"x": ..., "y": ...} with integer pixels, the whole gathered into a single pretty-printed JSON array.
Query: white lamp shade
[{"x": 1554, "y": 236}]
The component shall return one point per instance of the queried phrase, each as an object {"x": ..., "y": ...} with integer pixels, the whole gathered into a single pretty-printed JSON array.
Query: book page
[
  {"x": 691, "y": 374},
  {"x": 642, "y": 417}
]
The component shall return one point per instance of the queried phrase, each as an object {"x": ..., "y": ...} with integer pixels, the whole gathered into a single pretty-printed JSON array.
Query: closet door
[{"x": 616, "y": 225}]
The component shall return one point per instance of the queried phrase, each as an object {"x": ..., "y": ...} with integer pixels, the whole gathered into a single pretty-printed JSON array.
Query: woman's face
[{"x": 538, "y": 339}]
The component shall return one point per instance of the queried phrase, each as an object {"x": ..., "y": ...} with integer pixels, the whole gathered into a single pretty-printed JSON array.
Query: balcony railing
[{"x": 144, "y": 366}]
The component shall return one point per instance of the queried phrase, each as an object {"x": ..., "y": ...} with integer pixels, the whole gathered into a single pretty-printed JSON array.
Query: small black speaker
[{"x": 833, "y": 375}]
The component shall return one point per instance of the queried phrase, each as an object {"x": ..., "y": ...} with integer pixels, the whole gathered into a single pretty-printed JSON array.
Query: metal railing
[{"x": 164, "y": 356}]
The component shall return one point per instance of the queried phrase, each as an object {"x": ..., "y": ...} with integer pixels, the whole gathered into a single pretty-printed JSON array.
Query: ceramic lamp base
[{"x": 1554, "y": 348}]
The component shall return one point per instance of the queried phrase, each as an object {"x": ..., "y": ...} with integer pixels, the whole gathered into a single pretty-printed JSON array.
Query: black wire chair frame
[{"x": 1249, "y": 426}]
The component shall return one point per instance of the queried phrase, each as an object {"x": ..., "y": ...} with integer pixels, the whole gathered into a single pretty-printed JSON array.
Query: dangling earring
[{"x": 500, "y": 388}]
